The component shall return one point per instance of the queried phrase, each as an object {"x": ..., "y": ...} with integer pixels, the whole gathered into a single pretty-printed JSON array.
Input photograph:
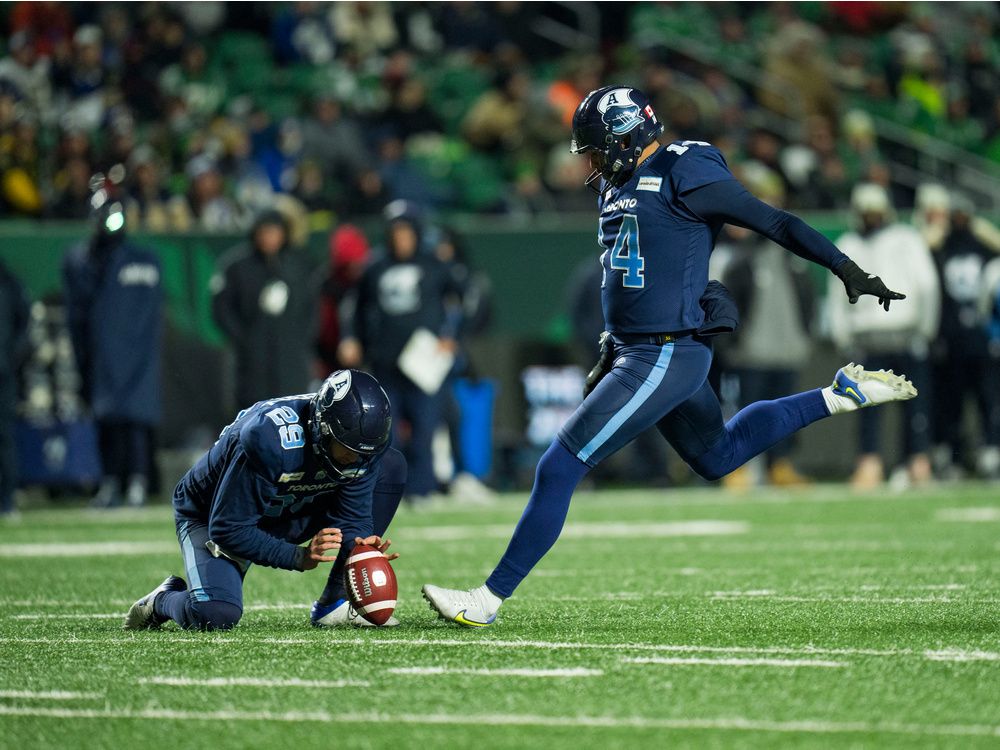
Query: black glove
[
  {"x": 603, "y": 366},
  {"x": 857, "y": 282}
]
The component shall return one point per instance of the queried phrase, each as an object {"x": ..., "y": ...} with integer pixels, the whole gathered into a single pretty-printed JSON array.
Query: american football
[{"x": 371, "y": 584}]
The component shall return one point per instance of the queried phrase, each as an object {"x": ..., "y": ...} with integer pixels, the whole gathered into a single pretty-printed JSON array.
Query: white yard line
[
  {"x": 50, "y": 695},
  {"x": 87, "y": 549},
  {"x": 968, "y": 515},
  {"x": 511, "y": 672},
  {"x": 480, "y": 643},
  {"x": 583, "y": 530},
  {"x": 653, "y": 647},
  {"x": 71, "y": 616},
  {"x": 730, "y": 662},
  {"x": 116, "y": 615},
  {"x": 579, "y": 530},
  {"x": 925, "y": 587},
  {"x": 728, "y": 723},
  {"x": 957, "y": 655},
  {"x": 960, "y": 655},
  {"x": 723, "y": 596},
  {"x": 65, "y": 603},
  {"x": 581, "y": 572},
  {"x": 249, "y": 682},
  {"x": 953, "y": 655},
  {"x": 750, "y": 594}
]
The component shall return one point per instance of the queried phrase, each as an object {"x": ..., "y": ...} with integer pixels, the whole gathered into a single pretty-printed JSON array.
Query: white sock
[
  {"x": 835, "y": 403},
  {"x": 489, "y": 597}
]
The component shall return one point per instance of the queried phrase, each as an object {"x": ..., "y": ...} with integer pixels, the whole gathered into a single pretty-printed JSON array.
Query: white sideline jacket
[{"x": 898, "y": 254}]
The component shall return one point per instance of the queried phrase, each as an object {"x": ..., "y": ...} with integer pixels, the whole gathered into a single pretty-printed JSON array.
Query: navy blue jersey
[
  {"x": 656, "y": 249},
  {"x": 262, "y": 491}
]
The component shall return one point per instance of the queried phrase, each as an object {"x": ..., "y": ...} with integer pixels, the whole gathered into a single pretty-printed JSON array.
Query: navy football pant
[
  {"x": 214, "y": 598},
  {"x": 649, "y": 385},
  {"x": 757, "y": 384}
]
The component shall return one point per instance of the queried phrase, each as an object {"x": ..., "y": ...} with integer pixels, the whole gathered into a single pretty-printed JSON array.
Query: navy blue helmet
[
  {"x": 351, "y": 409},
  {"x": 617, "y": 123}
]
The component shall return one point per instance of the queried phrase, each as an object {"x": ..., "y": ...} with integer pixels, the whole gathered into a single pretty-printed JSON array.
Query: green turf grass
[{"x": 889, "y": 603}]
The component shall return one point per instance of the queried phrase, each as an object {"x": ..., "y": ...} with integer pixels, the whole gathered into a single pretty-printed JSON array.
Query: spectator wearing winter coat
[
  {"x": 899, "y": 339},
  {"x": 964, "y": 365},
  {"x": 349, "y": 256},
  {"x": 264, "y": 300}
]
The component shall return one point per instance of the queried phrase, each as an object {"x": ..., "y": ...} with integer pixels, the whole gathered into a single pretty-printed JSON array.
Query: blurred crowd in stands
[
  {"x": 215, "y": 108},
  {"x": 274, "y": 120}
]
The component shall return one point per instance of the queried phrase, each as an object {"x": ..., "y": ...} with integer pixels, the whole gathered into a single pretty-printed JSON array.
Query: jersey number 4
[{"x": 625, "y": 255}]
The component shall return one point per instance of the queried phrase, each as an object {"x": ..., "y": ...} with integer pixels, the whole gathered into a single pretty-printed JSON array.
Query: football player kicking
[
  {"x": 661, "y": 208},
  {"x": 316, "y": 466}
]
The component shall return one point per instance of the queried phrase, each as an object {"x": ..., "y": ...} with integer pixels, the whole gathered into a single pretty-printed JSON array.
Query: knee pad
[
  {"x": 214, "y": 615},
  {"x": 393, "y": 468}
]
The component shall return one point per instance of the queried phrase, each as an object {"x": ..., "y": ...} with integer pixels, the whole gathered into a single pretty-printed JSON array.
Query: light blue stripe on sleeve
[
  {"x": 649, "y": 385},
  {"x": 191, "y": 565}
]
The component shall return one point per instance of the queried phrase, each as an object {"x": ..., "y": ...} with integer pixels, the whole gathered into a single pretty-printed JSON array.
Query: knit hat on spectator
[{"x": 348, "y": 245}]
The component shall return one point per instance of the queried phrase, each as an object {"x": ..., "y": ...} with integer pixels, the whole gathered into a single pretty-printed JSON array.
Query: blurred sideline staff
[
  {"x": 899, "y": 339},
  {"x": 264, "y": 298},
  {"x": 114, "y": 305},
  {"x": 477, "y": 312},
  {"x": 965, "y": 364},
  {"x": 406, "y": 289},
  {"x": 777, "y": 302},
  {"x": 14, "y": 312}
]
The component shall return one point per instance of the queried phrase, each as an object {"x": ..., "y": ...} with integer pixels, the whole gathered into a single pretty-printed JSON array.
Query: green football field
[{"x": 661, "y": 619}]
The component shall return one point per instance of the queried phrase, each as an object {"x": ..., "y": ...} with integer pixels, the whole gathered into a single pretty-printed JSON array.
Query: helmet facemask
[{"x": 347, "y": 471}]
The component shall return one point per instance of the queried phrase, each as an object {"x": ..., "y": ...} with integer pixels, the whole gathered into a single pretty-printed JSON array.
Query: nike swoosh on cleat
[
  {"x": 854, "y": 394},
  {"x": 460, "y": 618}
]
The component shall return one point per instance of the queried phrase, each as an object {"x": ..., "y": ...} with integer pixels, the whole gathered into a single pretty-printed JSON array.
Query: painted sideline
[
  {"x": 758, "y": 662},
  {"x": 579, "y": 530},
  {"x": 509, "y": 672},
  {"x": 953, "y": 654},
  {"x": 50, "y": 695},
  {"x": 225, "y": 640},
  {"x": 249, "y": 682},
  {"x": 584, "y": 530},
  {"x": 728, "y": 723},
  {"x": 86, "y": 549}
]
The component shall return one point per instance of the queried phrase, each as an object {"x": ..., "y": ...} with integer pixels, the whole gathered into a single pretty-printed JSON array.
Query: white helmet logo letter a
[{"x": 340, "y": 383}]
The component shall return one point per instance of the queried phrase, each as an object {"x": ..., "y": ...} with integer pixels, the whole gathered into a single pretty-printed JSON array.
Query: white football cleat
[
  {"x": 475, "y": 608},
  {"x": 342, "y": 613},
  {"x": 854, "y": 387},
  {"x": 141, "y": 615}
]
